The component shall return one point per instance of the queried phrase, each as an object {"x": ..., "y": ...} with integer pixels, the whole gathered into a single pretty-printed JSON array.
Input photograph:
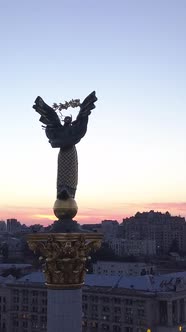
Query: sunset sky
[{"x": 133, "y": 54}]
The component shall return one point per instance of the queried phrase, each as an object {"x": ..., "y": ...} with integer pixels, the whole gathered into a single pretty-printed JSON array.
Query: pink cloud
[
  {"x": 181, "y": 206},
  {"x": 175, "y": 208}
]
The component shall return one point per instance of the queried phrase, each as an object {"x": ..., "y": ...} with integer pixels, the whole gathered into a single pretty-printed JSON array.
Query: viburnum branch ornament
[{"x": 72, "y": 103}]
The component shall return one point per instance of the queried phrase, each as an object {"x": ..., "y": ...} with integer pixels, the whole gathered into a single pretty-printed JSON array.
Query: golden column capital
[{"x": 64, "y": 256}]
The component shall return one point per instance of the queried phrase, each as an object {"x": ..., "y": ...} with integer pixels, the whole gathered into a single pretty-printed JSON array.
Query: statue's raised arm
[{"x": 65, "y": 136}]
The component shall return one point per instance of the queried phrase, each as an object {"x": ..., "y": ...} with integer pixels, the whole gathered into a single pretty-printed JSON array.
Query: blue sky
[{"x": 133, "y": 54}]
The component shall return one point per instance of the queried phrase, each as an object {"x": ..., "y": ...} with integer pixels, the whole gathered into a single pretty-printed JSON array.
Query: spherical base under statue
[{"x": 65, "y": 208}]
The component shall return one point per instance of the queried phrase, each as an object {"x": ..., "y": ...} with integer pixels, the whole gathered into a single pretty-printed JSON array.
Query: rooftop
[{"x": 162, "y": 283}]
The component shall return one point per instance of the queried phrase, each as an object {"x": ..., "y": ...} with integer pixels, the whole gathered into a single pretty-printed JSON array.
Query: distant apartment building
[
  {"x": 22, "y": 268},
  {"x": 13, "y": 226},
  {"x": 15, "y": 247},
  {"x": 109, "y": 228},
  {"x": 133, "y": 247},
  {"x": 2, "y": 226},
  {"x": 92, "y": 227},
  {"x": 163, "y": 228},
  {"x": 110, "y": 303},
  {"x": 122, "y": 268}
]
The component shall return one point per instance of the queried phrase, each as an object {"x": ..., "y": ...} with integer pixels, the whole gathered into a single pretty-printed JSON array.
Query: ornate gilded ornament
[{"x": 64, "y": 256}]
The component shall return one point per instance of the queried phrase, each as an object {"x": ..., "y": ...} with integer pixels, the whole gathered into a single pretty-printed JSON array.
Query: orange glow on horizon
[
  {"x": 43, "y": 216},
  {"x": 30, "y": 215}
]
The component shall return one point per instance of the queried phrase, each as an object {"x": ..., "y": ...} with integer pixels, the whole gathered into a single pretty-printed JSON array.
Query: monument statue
[
  {"x": 65, "y": 136},
  {"x": 64, "y": 250}
]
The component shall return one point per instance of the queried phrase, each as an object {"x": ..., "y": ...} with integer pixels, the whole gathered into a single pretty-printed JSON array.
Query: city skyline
[{"x": 133, "y": 55}]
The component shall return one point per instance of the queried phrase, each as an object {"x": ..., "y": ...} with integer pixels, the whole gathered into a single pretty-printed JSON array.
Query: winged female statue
[{"x": 65, "y": 136}]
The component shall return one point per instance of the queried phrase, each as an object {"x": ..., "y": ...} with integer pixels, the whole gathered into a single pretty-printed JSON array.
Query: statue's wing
[
  {"x": 48, "y": 115},
  {"x": 87, "y": 105},
  {"x": 79, "y": 126}
]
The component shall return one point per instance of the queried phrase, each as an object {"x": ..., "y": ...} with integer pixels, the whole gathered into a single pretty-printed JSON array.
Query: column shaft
[
  {"x": 178, "y": 311},
  {"x": 64, "y": 310},
  {"x": 169, "y": 313},
  {"x": 184, "y": 310}
]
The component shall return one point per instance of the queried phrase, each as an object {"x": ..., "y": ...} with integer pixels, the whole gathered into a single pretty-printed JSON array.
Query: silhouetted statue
[{"x": 66, "y": 136}]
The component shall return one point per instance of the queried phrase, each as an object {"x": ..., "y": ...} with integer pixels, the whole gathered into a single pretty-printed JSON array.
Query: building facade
[
  {"x": 133, "y": 247},
  {"x": 13, "y": 226},
  {"x": 2, "y": 227},
  {"x": 161, "y": 227},
  {"x": 112, "y": 304},
  {"x": 109, "y": 228},
  {"x": 122, "y": 268}
]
